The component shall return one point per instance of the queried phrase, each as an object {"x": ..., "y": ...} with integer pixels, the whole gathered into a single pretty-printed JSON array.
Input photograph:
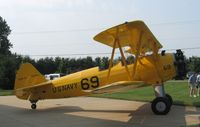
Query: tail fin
[{"x": 28, "y": 75}]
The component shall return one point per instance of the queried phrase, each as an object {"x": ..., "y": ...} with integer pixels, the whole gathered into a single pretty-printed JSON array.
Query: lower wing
[{"x": 117, "y": 87}]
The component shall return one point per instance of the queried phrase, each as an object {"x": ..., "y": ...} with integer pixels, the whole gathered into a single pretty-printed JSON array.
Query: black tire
[
  {"x": 160, "y": 106},
  {"x": 170, "y": 99},
  {"x": 33, "y": 106}
]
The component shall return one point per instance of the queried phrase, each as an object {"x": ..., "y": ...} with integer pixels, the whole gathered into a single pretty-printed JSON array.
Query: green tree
[
  {"x": 7, "y": 60},
  {"x": 8, "y": 67},
  {"x": 5, "y": 44},
  {"x": 194, "y": 64},
  {"x": 105, "y": 61},
  {"x": 97, "y": 61},
  {"x": 46, "y": 65},
  {"x": 61, "y": 68}
]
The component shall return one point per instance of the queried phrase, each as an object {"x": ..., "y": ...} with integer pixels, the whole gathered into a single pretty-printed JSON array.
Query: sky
[{"x": 62, "y": 27}]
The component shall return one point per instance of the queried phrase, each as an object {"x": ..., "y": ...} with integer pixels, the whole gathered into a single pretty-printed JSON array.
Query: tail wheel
[
  {"x": 33, "y": 106},
  {"x": 161, "y": 106},
  {"x": 170, "y": 99}
]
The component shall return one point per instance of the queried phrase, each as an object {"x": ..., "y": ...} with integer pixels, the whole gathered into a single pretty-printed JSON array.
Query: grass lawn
[
  {"x": 178, "y": 90},
  {"x": 5, "y": 92}
]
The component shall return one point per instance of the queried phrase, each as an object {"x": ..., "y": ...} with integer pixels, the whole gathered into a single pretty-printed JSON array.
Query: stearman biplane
[{"x": 149, "y": 68}]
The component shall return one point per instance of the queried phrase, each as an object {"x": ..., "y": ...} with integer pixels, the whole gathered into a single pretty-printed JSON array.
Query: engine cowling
[{"x": 180, "y": 64}]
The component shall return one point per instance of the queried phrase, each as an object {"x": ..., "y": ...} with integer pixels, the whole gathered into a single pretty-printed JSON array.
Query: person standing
[
  {"x": 192, "y": 84},
  {"x": 198, "y": 84}
]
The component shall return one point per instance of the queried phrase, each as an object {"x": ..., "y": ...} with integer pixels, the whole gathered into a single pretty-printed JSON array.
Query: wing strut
[
  {"x": 116, "y": 41},
  {"x": 155, "y": 55},
  {"x": 111, "y": 59},
  {"x": 137, "y": 53},
  {"x": 124, "y": 61}
]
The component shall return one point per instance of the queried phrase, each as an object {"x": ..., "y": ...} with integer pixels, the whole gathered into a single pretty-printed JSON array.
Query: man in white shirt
[
  {"x": 198, "y": 84},
  {"x": 192, "y": 83}
]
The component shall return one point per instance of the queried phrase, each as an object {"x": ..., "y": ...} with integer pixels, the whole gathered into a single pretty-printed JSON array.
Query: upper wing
[
  {"x": 130, "y": 34},
  {"x": 117, "y": 87}
]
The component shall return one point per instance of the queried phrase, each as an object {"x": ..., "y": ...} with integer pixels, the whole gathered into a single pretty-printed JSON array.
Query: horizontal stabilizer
[
  {"x": 29, "y": 89},
  {"x": 34, "y": 86},
  {"x": 117, "y": 87}
]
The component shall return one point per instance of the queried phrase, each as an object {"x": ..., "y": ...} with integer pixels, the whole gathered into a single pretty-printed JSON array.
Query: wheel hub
[{"x": 161, "y": 106}]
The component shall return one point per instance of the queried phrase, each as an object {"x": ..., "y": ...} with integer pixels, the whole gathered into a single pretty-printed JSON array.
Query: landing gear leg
[
  {"x": 161, "y": 105},
  {"x": 33, "y": 104}
]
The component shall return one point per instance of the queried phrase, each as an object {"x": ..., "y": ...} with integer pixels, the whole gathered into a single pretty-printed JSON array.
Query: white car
[{"x": 53, "y": 76}]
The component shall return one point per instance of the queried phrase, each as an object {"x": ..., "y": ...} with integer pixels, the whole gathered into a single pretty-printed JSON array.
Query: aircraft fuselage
[{"x": 77, "y": 83}]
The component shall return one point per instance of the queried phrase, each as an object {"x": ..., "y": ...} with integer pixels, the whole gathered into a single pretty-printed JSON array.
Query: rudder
[{"x": 27, "y": 76}]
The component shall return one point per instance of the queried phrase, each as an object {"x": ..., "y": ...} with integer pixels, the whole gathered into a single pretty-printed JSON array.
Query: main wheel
[
  {"x": 170, "y": 99},
  {"x": 33, "y": 106},
  {"x": 160, "y": 106}
]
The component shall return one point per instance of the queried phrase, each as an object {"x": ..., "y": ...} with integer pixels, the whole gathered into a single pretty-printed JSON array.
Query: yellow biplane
[{"x": 149, "y": 68}]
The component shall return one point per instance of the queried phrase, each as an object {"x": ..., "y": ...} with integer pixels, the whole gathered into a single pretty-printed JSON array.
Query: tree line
[{"x": 10, "y": 62}]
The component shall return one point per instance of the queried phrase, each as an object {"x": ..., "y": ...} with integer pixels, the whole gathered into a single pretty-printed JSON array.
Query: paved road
[{"x": 91, "y": 112}]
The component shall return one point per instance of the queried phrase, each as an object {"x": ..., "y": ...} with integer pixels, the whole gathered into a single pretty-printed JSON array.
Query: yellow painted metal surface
[
  {"x": 151, "y": 69},
  {"x": 76, "y": 84},
  {"x": 129, "y": 35}
]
